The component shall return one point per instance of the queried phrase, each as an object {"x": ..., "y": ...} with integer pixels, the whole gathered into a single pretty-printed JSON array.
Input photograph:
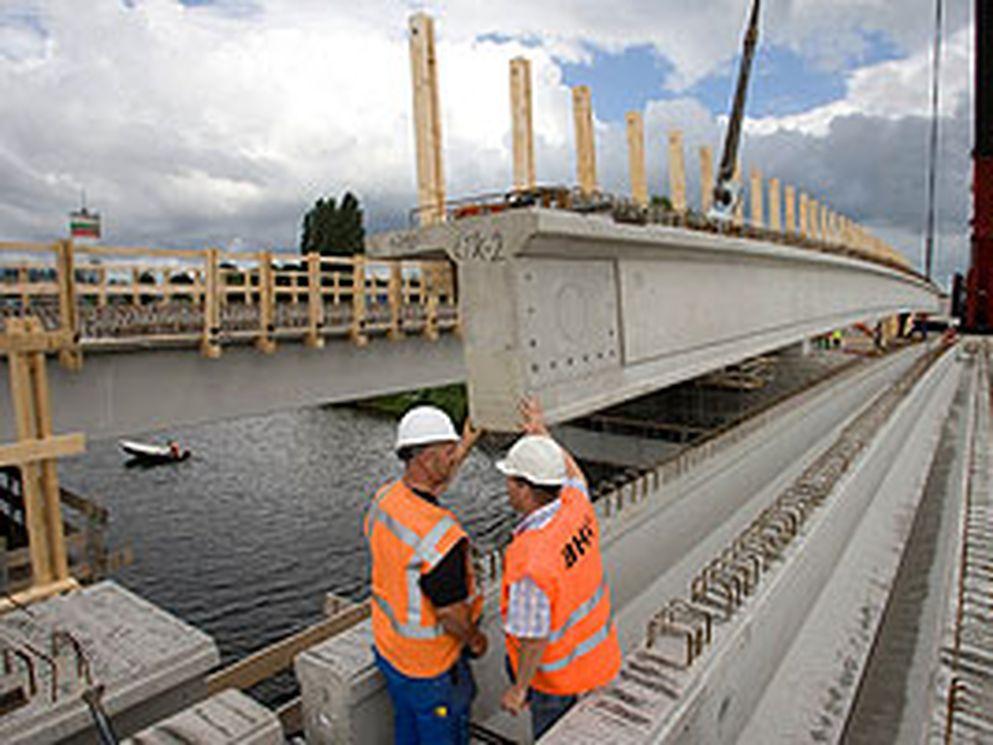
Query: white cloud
[{"x": 222, "y": 124}]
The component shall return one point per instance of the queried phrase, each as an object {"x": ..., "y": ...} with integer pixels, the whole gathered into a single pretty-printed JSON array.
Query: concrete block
[
  {"x": 226, "y": 718},
  {"x": 344, "y": 696},
  {"x": 150, "y": 663}
]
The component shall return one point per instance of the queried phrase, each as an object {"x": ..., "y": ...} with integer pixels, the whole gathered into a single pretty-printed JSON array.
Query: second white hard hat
[
  {"x": 537, "y": 459},
  {"x": 424, "y": 425}
]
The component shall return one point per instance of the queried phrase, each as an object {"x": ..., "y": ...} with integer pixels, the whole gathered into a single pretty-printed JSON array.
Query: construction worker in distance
[
  {"x": 554, "y": 600},
  {"x": 425, "y": 608}
]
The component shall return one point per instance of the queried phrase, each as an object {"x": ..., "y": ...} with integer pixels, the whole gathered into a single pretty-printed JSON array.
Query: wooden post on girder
[
  {"x": 65, "y": 263},
  {"x": 825, "y": 220},
  {"x": 775, "y": 206},
  {"x": 26, "y": 343},
  {"x": 706, "y": 179},
  {"x": 357, "y": 330},
  {"x": 677, "y": 171},
  {"x": 394, "y": 294},
  {"x": 790, "y": 211},
  {"x": 813, "y": 226},
  {"x": 636, "y": 158},
  {"x": 427, "y": 121},
  {"x": 315, "y": 302},
  {"x": 582, "y": 114},
  {"x": 210, "y": 343},
  {"x": 267, "y": 311},
  {"x": 758, "y": 208},
  {"x": 430, "y": 286},
  {"x": 804, "y": 214},
  {"x": 522, "y": 125}
]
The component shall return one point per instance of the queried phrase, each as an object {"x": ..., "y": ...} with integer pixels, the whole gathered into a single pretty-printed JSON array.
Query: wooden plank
[
  {"x": 677, "y": 171},
  {"x": 804, "y": 214},
  {"x": 775, "y": 206},
  {"x": 315, "y": 302},
  {"x": 24, "y": 417},
  {"x": 36, "y": 593},
  {"x": 758, "y": 210},
  {"x": 427, "y": 120},
  {"x": 210, "y": 345},
  {"x": 41, "y": 341},
  {"x": 53, "y": 446},
  {"x": 521, "y": 121},
  {"x": 394, "y": 291},
  {"x": 706, "y": 179},
  {"x": 70, "y": 357},
  {"x": 25, "y": 247},
  {"x": 279, "y": 656},
  {"x": 147, "y": 251},
  {"x": 582, "y": 115},
  {"x": 47, "y": 468},
  {"x": 357, "y": 331},
  {"x": 789, "y": 197},
  {"x": 636, "y": 158}
]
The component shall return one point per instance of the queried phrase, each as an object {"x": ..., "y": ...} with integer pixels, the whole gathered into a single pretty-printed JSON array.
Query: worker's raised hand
[{"x": 532, "y": 417}]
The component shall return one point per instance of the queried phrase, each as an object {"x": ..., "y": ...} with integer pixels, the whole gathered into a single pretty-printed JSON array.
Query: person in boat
[
  {"x": 425, "y": 606},
  {"x": 554, "y": 600},
  {"x": 174, "y": 450}
]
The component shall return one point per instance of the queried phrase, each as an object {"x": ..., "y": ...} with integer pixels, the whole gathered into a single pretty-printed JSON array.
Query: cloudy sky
[{"x": 221, "y": 121}]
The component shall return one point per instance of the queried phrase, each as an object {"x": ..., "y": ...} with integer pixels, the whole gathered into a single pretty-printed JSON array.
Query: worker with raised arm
[
  {"x": 554, "y": 600},
  {"x": 425, "y": 607}
]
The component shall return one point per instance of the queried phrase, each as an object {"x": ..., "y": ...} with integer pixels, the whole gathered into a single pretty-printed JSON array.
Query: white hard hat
[
  {"x": 424, "y": 425},
  {"x": 537, "y": 459}
]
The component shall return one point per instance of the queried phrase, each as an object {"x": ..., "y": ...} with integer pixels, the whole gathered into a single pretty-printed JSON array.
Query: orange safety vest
[
  {"x": 408, "y": 536},
  {"x": 563, "y": 559}
]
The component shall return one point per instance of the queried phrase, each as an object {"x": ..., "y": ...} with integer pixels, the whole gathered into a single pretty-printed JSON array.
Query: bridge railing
[{"x": 105, "y": 297}]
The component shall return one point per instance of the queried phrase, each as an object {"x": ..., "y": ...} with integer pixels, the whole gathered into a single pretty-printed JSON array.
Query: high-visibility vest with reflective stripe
[
  {"x": 407, "y": 537},
  {"x": 563, "y": 559}
]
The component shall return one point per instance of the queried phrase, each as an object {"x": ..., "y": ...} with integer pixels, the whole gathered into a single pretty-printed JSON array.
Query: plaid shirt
[{"x": 529, "y": 612}]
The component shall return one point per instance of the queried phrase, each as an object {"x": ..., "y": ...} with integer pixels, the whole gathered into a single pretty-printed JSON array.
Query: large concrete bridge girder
[{"x": 587, "y": 312}]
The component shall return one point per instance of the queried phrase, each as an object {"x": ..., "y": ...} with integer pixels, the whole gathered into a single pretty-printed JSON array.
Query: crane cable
[{"x": 932, "y": 166}]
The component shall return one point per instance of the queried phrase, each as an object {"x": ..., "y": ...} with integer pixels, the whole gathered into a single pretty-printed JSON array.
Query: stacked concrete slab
[
  {"x": 150, "y": 664},
  {"x": 227, "y": 718}
]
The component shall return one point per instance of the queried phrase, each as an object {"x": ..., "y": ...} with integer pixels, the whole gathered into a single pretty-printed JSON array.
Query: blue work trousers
[{"x": 430, "y": 711}]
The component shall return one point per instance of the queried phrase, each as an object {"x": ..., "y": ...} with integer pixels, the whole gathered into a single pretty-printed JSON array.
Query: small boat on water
[{"x": 146, "y": 453}]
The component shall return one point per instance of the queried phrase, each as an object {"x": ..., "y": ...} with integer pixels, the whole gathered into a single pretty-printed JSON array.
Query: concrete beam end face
[{"x": 343, "y": 694}]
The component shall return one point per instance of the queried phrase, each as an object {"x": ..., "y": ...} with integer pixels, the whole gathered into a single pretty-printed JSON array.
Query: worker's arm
[
  {"x": 533, "y": 423},
  {"x": 470, "y": 436},
  {"x": 446, "y": 587},
  {"x": 456, "y": 619},
  {"x": 531, "y": 650}
]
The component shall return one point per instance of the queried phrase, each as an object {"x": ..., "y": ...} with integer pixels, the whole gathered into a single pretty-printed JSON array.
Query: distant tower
[{"x": 83, "y": 224}]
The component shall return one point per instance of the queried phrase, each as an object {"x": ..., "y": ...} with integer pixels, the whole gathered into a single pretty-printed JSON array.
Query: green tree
[{"x": 333, "y": 229}]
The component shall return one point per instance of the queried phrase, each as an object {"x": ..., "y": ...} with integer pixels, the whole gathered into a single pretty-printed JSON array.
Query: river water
[{"x": 243, "y": 539}]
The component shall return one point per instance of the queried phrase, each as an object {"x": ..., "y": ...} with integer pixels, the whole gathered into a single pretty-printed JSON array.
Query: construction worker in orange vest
[
  {"x": 425, "y": 607},
  {"x": 554, "y": 600}
]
